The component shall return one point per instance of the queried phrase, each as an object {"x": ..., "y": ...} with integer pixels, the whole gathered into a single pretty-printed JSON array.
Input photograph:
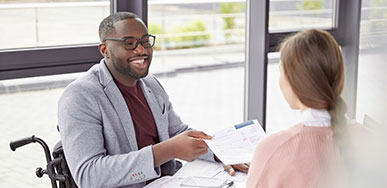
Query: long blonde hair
[{"x": 314, "y": 66}]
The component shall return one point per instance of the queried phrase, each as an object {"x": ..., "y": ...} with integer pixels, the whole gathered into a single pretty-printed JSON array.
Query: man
[{"x": 117, "y": 125}]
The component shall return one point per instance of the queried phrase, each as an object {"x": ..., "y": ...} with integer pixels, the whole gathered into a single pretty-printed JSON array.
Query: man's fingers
[
  {"x": 199, "y": 134},
  {"x": 200, "y": 149},
  {"x": 199, "y": 143},
  {"x": 203, "y": 152}
]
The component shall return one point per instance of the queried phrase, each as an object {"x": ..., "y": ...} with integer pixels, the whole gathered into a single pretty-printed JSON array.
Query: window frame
[
  {"x": 346, "y": 31},
  {"x": 29, "y": 62},
  {"x": 19, "y": 63}
]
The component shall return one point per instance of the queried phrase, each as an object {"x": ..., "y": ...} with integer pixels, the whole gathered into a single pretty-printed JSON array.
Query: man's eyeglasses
[{"x": 131, "y": 43}]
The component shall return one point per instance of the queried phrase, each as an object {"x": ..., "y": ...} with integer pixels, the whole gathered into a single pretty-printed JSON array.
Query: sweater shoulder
[{"x": 276, "y": 140}]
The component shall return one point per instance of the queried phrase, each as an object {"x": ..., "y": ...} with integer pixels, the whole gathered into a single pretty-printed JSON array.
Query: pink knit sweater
[{"x": 298, "y": 157}]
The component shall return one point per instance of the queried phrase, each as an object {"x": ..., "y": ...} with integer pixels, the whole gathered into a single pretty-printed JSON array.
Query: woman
[{"x": 311, "y": 80}]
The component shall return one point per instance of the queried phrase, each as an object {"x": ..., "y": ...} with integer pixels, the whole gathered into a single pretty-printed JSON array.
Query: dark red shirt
[{"x": 142, "y": 117}]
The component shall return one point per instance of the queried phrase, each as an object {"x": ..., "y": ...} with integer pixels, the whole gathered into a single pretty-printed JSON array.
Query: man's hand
[
  {"x": 188, "y": 146},
  {"x": 231, "y": 168}
]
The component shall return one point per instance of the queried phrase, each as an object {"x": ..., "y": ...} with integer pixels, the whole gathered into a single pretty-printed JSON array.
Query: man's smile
[{"x": 139, "y": 62}]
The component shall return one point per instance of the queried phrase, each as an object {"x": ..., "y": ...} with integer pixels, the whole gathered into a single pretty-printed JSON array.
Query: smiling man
[{"x": 117, "y": 125}]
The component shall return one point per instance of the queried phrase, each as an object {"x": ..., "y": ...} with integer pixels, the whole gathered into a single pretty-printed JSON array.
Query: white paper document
[
  {"x": 166, "y": 182},
  {"x": 236, "y": 144},
  {"x": 201, "y": 169},
  {"x": 211, "y": 170}
]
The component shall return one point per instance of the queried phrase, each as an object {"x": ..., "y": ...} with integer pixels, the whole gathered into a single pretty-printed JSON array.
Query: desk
[{"x": 199, "y": 168}]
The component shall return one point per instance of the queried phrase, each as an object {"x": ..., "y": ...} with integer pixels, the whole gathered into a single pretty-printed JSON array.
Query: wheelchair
[{"x": 56, "y": 169}]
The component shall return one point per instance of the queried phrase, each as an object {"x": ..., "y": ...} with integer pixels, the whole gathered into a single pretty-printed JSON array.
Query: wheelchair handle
[
  {"x": 22, "y": 142},
  {"x": 28, "y": 140},
  {"x": 33, "y": 139}
]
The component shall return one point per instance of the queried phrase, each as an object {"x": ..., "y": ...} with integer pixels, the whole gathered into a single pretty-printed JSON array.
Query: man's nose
[{"x": 139, "y": 48}]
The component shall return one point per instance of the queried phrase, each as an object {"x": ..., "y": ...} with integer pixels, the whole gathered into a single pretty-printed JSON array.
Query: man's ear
[{"x": 103, "y": 50}]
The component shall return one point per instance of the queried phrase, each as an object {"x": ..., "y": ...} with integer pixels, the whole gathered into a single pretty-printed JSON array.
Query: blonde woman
[{"x": 311, "y": 80}]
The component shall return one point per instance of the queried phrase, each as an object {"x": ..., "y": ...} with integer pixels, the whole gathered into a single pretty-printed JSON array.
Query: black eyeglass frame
[{"x": 123, "y": 40}]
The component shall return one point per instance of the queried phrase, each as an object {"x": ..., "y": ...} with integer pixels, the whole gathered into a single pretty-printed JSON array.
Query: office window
[
  {"x": 42, "y": 23},
  {"x": 285, "y": 16},
  {"x": 29, "y": 105},
  {"x": 293, "y": 15},
  {"x": 199, "y": 59},
  {"x": 372, "y": 79},
  {"x": 279, "y": 115},
  {"x": 24, "y": 114}
]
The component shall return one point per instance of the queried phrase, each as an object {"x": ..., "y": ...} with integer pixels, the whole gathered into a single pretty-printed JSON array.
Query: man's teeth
[{"x": 139, "y": 61}]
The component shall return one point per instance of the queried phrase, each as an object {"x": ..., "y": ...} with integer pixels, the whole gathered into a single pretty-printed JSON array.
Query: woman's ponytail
[{"x": 339, "y": 123}]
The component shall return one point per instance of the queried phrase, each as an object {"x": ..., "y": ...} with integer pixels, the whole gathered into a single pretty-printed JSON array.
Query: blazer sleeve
[{"x": 79, "y": 117}]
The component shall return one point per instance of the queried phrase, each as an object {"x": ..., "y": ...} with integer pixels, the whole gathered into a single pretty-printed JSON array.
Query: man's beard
[{"x": 124, "y": 67}]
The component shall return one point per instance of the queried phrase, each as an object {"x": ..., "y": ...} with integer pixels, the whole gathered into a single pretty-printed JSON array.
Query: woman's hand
[{"x": 232, "y": 168}]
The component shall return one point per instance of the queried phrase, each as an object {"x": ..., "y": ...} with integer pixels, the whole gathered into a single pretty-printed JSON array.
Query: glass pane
[
  {"x": 371, "y": 88},
  {"x": 293, "y": 15},
  {"x": 199, "y": 59},
  {"x": 372, "y": 79},
  {"x": 40, "y": 23},
  {"x": 290, "y": 15},
  {"x": 279, "y": 115},
  {"x": 28, "y": 107}
]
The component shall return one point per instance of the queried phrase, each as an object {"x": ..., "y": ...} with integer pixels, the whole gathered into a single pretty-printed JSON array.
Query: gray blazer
[{"x": 98, "y": 136}]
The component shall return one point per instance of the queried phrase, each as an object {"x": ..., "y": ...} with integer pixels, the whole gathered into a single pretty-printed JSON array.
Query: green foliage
[
  {"x": 189, "y": 40},
  {"x": 177, "y": 41},
  {"x": 379, "y": 13},
  {"x": 229, "y": 8},
  {"x": 155, "y": 29},
  {"x": 310, "y": 5}
]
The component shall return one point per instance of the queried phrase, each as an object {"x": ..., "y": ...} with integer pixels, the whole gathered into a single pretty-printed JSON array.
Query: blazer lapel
[
  {"x": 114, "y": 95},
  {"x": 158, "y": 108}
]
